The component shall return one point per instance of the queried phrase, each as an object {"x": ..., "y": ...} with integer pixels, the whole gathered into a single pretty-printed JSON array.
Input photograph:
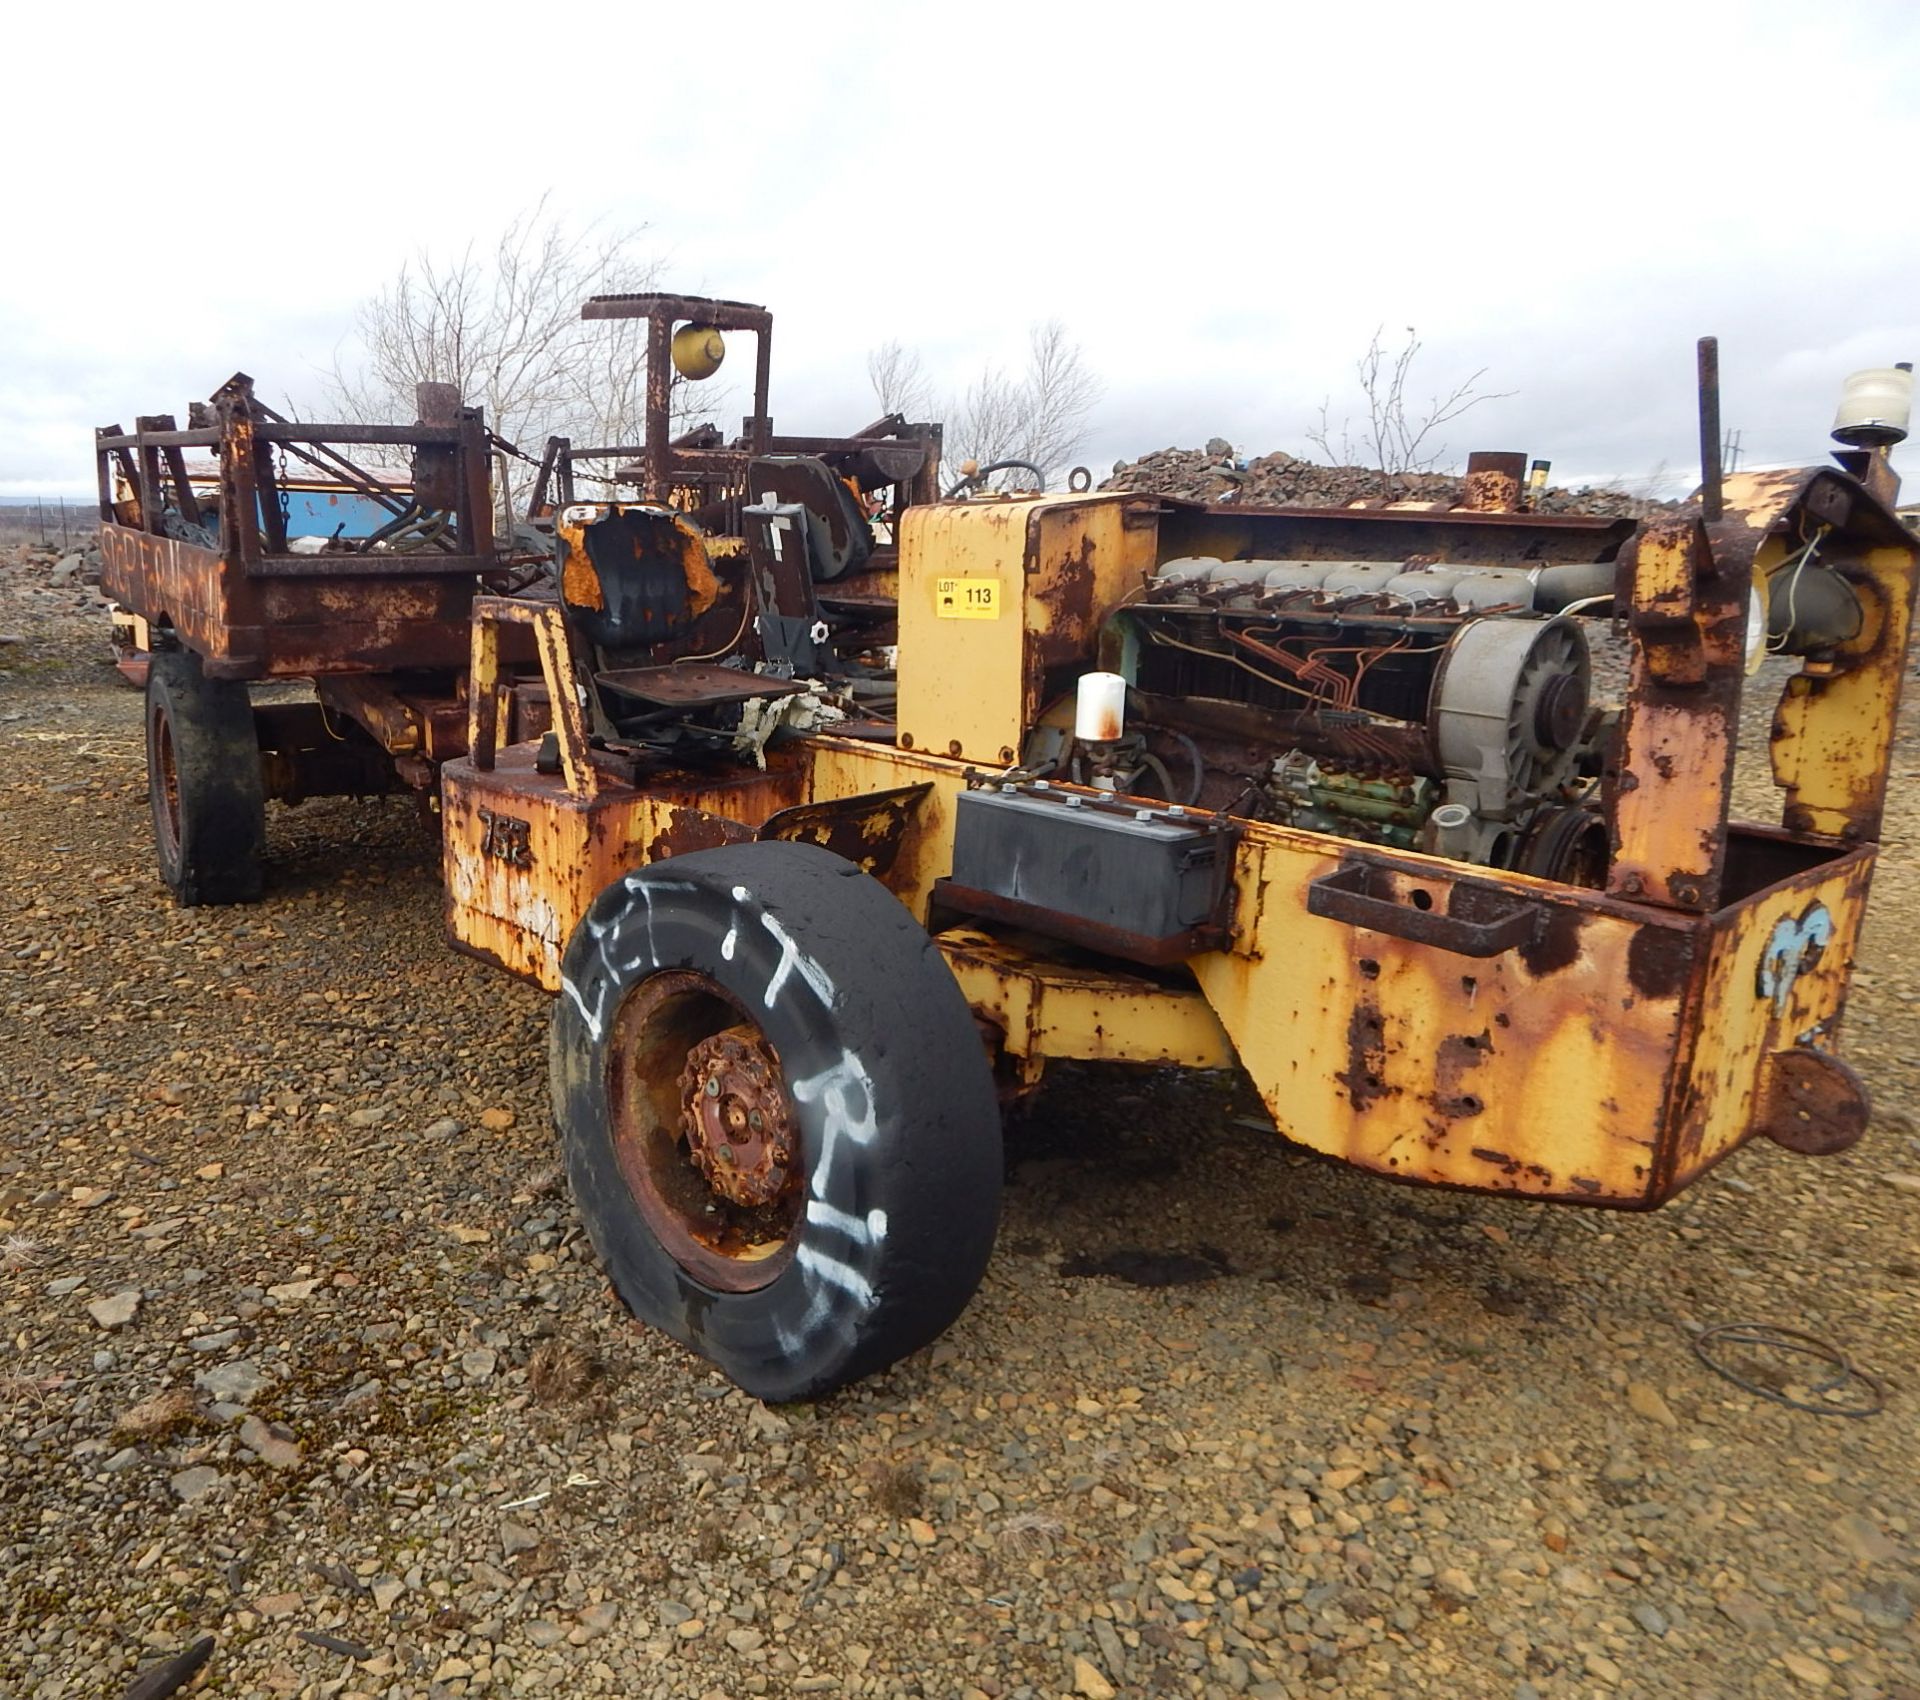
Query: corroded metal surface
[
  {"x": 738, "y": 1120},
  {"x": 1686, "y": 594},
  {"x": 1815, "y": 1104},
  {"x": 279, "y": 628},
  {"x": 208, "y": 564},
  {"x": 726, "y": 1219},
  {"x": 1424, "y": 1019},
  {"x": 867, "y": 830},
  {"x": 1046, "y": 1007}
]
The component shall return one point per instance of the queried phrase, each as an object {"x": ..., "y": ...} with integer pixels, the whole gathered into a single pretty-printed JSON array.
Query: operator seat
[
  {"x": 839, "y": 539},
  {"x": 634, "y": 582},
  {"x": 632, "y": 578}
]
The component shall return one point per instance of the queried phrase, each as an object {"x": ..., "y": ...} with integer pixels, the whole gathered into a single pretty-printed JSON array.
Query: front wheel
[{"x": 778, "y": 1119}]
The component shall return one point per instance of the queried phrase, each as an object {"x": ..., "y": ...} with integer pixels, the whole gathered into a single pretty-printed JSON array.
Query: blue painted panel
[{"x": 319, "y": 513}]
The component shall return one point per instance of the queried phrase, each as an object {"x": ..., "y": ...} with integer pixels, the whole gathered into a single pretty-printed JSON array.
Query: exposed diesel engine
[{"x": 1421, "y": 706}]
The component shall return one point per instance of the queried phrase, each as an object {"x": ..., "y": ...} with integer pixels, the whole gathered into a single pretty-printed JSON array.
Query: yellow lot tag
[{"x": 967, "y": 598}]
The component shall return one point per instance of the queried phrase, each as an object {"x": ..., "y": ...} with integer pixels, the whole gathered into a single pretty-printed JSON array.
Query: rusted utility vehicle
[
  {"x": 1323, "y": 794},
  {"x": 280, "y": 558},
  {"x": 1348, "y": 817},
  {"x": 349, "y": 555}
]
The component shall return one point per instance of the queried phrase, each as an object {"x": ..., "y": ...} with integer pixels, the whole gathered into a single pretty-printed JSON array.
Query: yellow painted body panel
[
  {"x": 1055, "y": 1009},
  {"x": 960, "y": 679},
  {"x": 970, "y": 686},
  {"x": 1541, "y": 1071},
  {"x": 1826, "y": 720},
  {"x": 1625, "y": 1045},
  {"x": 1747, "y": 1015}
]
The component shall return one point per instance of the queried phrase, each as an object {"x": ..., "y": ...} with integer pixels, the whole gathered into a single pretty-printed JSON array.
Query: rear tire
[
  {"x": 204, "y": 783},
  {"x": 775, "y": 984}
]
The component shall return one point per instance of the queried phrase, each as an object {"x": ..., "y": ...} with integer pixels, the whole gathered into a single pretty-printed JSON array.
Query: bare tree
[
  {"x": 1061, "y": 394},
  {"x": 1398, "y": 437},
  {"x": 503, "y": 325},
  {"x": 1040, "y": 415},
  {"x": 900, "y": 383}
]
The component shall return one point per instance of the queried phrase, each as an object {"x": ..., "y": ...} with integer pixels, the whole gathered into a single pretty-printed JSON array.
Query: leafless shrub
[
  {"x": 561, "y": 1373},
  {"x": 1030, "y": 1532},
  {"x": 21, "y": 1251},
  {"x": 898, "y": 1489},
  {"x": 1040, "y": 416},
  {"x": 1398, "y": 436},
  {"x": 28, "y": 1392}
]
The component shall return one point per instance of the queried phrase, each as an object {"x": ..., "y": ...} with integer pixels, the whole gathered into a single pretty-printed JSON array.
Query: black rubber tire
[
  {"x": 892, "y": 1096},
  {"x": 204, "y": 784}
]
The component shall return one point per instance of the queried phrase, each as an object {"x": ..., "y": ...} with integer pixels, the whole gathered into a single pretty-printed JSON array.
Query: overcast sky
[{"x": 1220, "y": 202}]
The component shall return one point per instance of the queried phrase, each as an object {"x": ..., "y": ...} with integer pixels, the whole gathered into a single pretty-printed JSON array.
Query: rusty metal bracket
[
  {"x": 564, "y": 692},
  {"x": 1686, "y": 588},
  {"x": 867, "y": 829},
  {"x": 1813, "y": 1102},
  {"x": 1479, "y": 920}
]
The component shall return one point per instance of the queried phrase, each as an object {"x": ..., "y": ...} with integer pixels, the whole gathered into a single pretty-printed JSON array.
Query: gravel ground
[{"x": 303, "y": 1349}]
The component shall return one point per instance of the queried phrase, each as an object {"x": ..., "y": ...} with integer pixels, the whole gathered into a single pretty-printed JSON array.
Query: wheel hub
[{"x": 735, "y": 1116}]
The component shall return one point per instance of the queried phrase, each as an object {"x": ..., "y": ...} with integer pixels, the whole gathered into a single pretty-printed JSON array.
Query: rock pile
[
  {"x": 63, "y": 568},
  {"x": 1281, "y": 480}
]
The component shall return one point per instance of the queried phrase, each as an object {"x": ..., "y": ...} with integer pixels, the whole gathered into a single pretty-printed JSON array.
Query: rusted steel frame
[
  {"x": 694, "y": 309},
  {"x": 408, "y": 714},
  {"x": 373, "y": 566},
  {"x": 1834, "y": 728},
  {"x": 657, "y": 458},
  {"x": 149, "y": 430},
  {"x": 703, "y": 440},
  {"x": 1479, "y": 921},
  {"x": 147, "y": 484},
  {"x": 924, "y": 486},
  {"x": 273, "y": 516},
  {"x": 1604, "y": 531},
  {"x": 556, "y": 667},
  {"x": 866, "y": 829},
  {"x": 476, "y": 513},
  {"x": 102, "y": 467},
  {"x": 1874, "y": 468},
  {"x": 188, "y": 502},
  {"x": 760, "y": 427},
  {"x": 370, "y": 701},
  {"x": 276, "y": 430},
  {"x": 781, "y": 443},
  {"x": 239, "y": 494},
  {"x": 202, "y": 437},
  {"x": 686, "y": 464},
  {"x": 326, "y": 459},
  {"x": 558, "y": 450},
  {"x": 1708, "y": 361},
  {"x": 1684, "y": 588}
]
